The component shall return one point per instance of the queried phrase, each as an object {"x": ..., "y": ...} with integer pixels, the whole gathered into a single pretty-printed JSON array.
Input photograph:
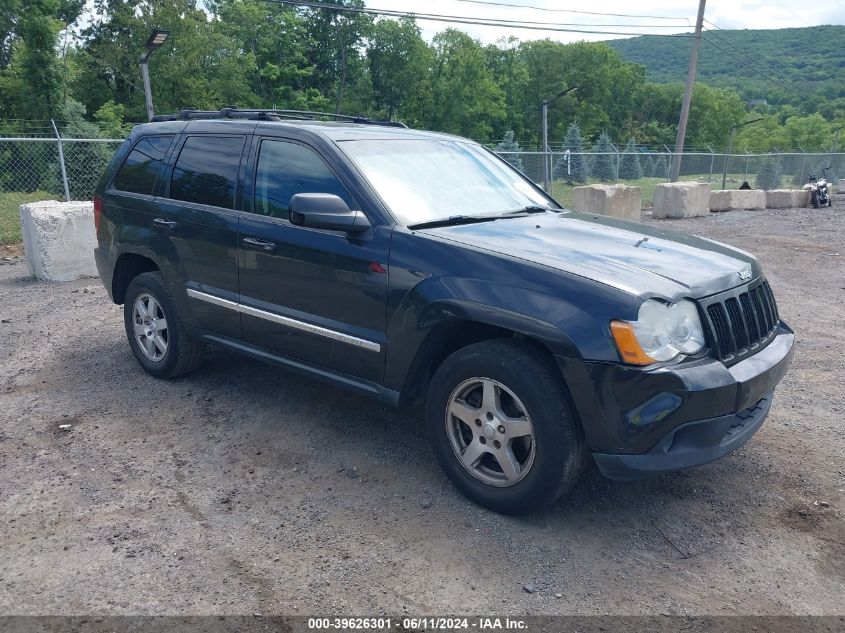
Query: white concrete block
[
  {"x": 618, "y": 201},
  {"x": 787, "y": 198},
  {"x": 681, "y": 199},
  {"x": 59, "y": 239},
  {"x": 841, "y": 187},
  {"x": 735, "y": 199}
]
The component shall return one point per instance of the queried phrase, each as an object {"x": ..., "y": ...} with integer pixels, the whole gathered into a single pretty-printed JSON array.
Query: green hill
[{"x": 810, "y": 59}]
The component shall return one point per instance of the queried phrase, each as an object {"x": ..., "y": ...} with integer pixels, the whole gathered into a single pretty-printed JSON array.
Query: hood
[{"x": 636, "y": 258}]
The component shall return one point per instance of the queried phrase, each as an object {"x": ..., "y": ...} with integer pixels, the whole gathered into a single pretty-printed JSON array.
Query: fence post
[
  {"x": 616, "y": 149},
  {"x": 747, "y": 160},
  {"x": 669, "y": 158},
  {"x": 803, "y": 165},
  {"x": 712, "y": 160},
  {"x": 61, "y": 161}
]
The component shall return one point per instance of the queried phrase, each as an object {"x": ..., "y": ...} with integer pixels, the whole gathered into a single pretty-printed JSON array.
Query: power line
[
  {"x": 536, "y": 8},
  {"x": 736, "y": 48},
  {"x": 793, "y": 12},
  {"x": 455, "y": 19},
  {"x": 760, "y": 72}
]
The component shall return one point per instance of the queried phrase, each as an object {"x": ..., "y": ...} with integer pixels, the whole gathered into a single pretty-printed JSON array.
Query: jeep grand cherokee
[{"x": 414, "y": 266}]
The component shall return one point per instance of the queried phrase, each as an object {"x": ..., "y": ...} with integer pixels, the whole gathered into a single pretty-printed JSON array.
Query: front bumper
[
  {"x": 691, "y": 444},
  {"x": 643, "y": 421}
]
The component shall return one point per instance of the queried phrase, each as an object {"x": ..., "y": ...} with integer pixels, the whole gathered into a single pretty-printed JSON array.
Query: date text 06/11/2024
[{"x": 417, "y": 624}]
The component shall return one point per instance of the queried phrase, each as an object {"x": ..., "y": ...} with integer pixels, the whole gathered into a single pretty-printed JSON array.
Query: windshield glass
[{"x": 424, "y": 180}]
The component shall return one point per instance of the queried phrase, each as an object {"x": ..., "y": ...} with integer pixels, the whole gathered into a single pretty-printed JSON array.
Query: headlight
[{"x": 661, "y": 332}]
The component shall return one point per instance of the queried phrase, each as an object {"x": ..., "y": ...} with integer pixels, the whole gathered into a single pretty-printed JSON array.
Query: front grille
[{"x": 741, "y": 321}]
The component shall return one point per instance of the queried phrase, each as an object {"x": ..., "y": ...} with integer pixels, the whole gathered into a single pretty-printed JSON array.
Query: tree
[
  {"x": 336, "y": 40},
  {"x": 661, "y": 167},
  {"x": 511, "y": 149},
  {"x": 400, "y": 65},
  {"x": 466, "y": 100},
  {"x": 603, "y": 168},
  {"x": 575, "y": 170},
  {"x": 768, "y": 177},
  {"x": 31, "y": 79},
  {"x": 647, "y": 165},
  {"x": 630, "y": 167}
]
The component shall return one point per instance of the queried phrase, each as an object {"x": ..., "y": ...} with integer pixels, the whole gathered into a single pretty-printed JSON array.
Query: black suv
[{"x": 414, "y": 266}]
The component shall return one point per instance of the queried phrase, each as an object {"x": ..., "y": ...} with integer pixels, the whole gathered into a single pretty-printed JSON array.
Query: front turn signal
[{"x": 627, "y": 344}]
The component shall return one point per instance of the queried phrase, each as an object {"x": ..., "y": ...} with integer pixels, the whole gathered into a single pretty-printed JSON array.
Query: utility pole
[{"x": 682, "y": 124}]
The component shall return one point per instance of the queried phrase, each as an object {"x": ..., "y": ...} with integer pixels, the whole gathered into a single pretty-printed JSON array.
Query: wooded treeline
[{"x": 254, "y": 53}]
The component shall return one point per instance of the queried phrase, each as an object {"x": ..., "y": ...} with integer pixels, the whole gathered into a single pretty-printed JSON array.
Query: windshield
[{"x": 424, "y": 180}]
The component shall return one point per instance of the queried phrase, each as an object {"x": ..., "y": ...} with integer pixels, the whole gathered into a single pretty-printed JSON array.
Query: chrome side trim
[{"x": 286, "y": 321}]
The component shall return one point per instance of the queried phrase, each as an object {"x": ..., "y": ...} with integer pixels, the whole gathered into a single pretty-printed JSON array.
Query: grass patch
[{"x": 10, "y": 218}]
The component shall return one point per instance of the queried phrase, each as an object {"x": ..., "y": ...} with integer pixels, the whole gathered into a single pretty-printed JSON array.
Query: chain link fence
[
  {"x": 761, "y": 171},
  {"x": 69, "y": 168}
]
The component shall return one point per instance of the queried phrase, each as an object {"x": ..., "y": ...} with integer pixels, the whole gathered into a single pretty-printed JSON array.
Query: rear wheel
[
  {"x": 502, "y": 429},
  {"x": 156, "y": 333}
]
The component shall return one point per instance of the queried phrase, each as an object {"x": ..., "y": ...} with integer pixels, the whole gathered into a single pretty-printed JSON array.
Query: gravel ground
[{"x": 243, "y": 489}]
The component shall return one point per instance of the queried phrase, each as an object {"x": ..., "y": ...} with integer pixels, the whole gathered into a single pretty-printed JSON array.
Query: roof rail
[{"x": 260, "y": 114}]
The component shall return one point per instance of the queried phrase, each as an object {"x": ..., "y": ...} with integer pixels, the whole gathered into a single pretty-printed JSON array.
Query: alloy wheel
[
  {"x": 490, "y": 432},
  {"x": 150, "y": 326}
]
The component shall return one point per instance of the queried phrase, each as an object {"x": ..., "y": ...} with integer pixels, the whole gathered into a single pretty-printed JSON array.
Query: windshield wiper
[
  {"x": 526, "y": 211},
  {"x": 453, "y": 220}
]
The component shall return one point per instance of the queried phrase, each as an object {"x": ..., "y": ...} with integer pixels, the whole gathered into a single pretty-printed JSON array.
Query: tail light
[{"x": 98, "y": 212}]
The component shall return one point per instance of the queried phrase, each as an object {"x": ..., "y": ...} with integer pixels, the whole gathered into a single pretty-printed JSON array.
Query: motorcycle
[{"x": 819, "y": 191}]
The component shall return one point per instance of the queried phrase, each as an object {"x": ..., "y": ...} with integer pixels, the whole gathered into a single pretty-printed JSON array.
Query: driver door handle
[{"x": 263, "y": 244}]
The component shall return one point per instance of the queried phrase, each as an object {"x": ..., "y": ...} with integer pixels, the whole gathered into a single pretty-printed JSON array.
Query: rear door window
[
  {"x": 140, "y": 169},
  {"x": 206, "y": 171},
  {"x": 285, "y": 169}
]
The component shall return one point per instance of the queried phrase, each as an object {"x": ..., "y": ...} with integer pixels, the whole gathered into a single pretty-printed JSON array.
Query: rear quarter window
[{"x": 139, "y": 171}]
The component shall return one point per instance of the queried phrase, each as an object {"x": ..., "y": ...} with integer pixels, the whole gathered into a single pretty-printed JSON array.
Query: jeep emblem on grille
[{"x": 745, "y": 274}]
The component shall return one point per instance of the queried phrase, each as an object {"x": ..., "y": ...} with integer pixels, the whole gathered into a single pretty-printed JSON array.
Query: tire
[
  {"x": 814, "y": 200},
  {"x": 163, "y": 352},
  {"x": 549, "y": 460}
]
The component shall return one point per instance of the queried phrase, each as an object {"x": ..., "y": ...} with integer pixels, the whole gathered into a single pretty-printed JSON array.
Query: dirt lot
[{"x": 243, "y": 489}]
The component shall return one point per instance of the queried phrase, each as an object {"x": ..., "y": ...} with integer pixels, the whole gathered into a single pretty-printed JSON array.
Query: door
[
  {"x": 196, "y": 227},
  {"x": 130, "y": 197},
  {"x": 310, "y": 294}
]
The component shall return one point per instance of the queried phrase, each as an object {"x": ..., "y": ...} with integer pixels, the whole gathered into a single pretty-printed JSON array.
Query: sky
[{"x": 726, "y": 14}]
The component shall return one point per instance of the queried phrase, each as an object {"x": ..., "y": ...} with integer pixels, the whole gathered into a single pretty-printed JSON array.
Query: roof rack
[{"x": 187, "y": 114}]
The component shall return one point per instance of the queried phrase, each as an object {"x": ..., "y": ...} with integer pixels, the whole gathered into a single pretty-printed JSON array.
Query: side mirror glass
[{"x": 326, "y": 211}]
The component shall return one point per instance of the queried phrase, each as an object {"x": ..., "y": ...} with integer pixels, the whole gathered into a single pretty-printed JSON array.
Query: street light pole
[
  {"x": 148, "y": 94},
  {"x": 547, "y": 157},
  {"x": 154, "y": 42},
  {"x": 731, "y": 146}
]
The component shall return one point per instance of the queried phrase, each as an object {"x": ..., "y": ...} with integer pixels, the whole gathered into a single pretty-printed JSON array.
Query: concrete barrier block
[
  {"x": 841, "y": 187},
  {"x": 59, "y": 239},
  {"x": 787, "y": 198},
  {"x": 681, "y": 200},
  {"x": 736, "y": 199},
  {"x": 618, "y": 201}
]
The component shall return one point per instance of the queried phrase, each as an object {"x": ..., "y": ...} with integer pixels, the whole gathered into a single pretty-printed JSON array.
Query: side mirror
[{"x": 326, "y": 211}]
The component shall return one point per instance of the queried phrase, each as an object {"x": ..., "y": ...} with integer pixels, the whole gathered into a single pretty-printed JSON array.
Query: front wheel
[
  {"x": 814, "y": 200},
  {"x": 502, "y": 428}
]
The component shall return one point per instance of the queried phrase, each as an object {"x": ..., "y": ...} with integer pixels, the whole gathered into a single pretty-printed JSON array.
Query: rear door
[
  {"x": 195, "y": 224},
  {"x": 130, "y": 196},
  {"x": 310, "y": 294}
]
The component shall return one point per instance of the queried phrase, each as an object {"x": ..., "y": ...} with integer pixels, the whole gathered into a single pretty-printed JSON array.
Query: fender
[{"x": 564, "y": 327}]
